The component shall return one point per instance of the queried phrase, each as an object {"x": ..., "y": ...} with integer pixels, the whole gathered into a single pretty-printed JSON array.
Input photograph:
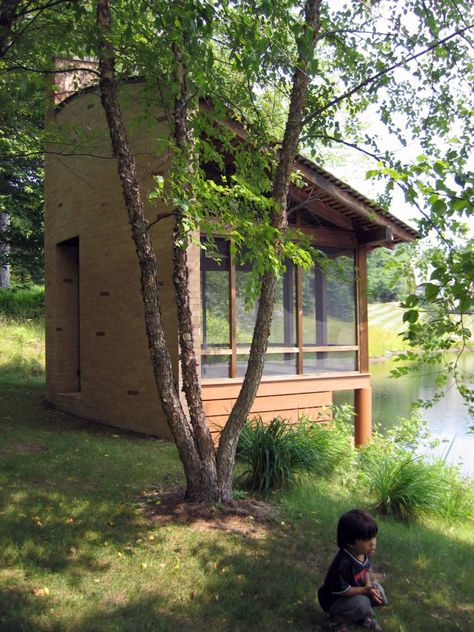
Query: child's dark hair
[{"x": 355, "y": 524}]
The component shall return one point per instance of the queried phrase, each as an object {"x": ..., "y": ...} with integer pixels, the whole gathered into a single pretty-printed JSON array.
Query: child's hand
[{"x": 375, "y": 594}]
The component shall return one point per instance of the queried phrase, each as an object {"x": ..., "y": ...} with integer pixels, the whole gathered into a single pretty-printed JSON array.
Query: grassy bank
[
  {"x": 79, "y": 550},
  {"x": 385, "y": 325},
  {"x": 22, "y": 303},
  {"x": 22, "y": 352}
]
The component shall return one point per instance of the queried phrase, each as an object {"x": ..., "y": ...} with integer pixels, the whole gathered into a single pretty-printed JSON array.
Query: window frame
[{"x": 299, "y": 349}]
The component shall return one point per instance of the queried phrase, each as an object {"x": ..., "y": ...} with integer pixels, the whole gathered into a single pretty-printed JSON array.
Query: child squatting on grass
[{"x": 347, "y": 593}]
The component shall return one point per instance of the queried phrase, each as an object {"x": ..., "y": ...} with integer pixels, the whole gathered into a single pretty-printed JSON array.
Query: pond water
[{"x": 448, "y": 419}]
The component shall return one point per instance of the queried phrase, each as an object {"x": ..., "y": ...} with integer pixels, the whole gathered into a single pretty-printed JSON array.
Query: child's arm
[
  {"x": 374, "y": 592},
  {"x": 368, "y": 590}
]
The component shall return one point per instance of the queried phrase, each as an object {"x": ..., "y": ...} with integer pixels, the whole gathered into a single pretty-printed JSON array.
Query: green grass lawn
[
  {"x": 22, "y": 353},
  {"x": 385, "y": 325},
  {"x": 79, "y": 553}
]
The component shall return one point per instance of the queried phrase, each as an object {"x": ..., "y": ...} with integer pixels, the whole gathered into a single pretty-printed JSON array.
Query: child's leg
[{"x": 354, "y": 609}]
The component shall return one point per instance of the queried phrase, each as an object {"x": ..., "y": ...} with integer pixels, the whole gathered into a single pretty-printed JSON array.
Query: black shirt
[{"x": 345, "y": 572}]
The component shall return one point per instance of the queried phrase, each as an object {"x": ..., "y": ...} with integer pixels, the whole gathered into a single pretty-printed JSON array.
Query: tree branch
[
  {"x": 311, "y": 198},
  {"x": 8, "y": 17},
  {"x": 54, "y": 71},
  {"x": 43, "y": 7},
  {"x": 384, "y": 72},
  {"x": 343, "y": 142},
  {"x": 160, "y": 217}
]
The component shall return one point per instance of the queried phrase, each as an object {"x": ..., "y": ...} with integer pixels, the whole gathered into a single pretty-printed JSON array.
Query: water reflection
[{"x": 448, "y": 419}]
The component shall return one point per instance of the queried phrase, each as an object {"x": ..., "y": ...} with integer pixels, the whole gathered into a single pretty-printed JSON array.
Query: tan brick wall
[
  {"x": 84, "y": 200},
  {"x": 194, "y": 265}
]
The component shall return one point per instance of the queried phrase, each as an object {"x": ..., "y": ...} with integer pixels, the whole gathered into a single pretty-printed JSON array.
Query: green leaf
[
  {"x": 439, "y": 206},
  {"x": 431, "y": 291},
  {"x": 465, "y": 304},
  {"x": 410, "y": 316},
  {"x": 411, "y": 301},
  {"x": 438, "y": 274},
  {"x": 440, "y": 167}
]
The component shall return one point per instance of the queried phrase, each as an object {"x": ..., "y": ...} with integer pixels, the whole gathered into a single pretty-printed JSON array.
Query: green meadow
[{"x": 81, "y": 549}]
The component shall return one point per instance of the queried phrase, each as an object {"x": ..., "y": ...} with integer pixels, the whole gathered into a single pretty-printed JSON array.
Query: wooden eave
[
  {"x": 339, "y": 205},
  {"x": 344, "y": 207}
]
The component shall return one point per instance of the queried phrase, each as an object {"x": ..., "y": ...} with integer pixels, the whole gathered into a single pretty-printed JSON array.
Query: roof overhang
[
  {"x": 348, "y": 209},
  {"x": 327, "y": 197}
]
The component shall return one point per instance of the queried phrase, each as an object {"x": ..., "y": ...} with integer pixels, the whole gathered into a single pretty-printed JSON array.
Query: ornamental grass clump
[
  {"x": 403, "y": 486},
  {"x": 404, "y": 482},
  {"x": 457, "y": 493},
  {"x": 277, "y": 452}
]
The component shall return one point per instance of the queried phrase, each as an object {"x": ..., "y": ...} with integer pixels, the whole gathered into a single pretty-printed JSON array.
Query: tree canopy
[{"x": 293, "y": 76}]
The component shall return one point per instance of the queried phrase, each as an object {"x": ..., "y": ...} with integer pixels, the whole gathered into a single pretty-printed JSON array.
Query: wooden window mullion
[
  {"x": 299, "y": 319},
  {"x": 232, "y": 315},
  {"x": 362, "y": 309}
]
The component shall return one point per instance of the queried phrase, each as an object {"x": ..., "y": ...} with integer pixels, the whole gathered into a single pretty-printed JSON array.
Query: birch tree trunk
[
  {"x": 208, "y": 478},
  {"x": 189, "y": 367},
  {"x": 201, "y": 480},
  {"x": 4, "y": 252},
  {"x": 241, "y": 409}
]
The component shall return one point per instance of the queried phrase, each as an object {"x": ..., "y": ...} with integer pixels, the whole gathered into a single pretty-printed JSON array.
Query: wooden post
[
  {"x": 232, "y": 314},
  {"x": 363, "y": 416},
  {"x": 363, "y": 328}
]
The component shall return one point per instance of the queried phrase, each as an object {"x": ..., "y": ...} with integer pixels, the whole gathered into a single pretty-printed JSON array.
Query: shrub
[
  {"x": 402, "y": 486},
  {"x": 277, "y": 451}
]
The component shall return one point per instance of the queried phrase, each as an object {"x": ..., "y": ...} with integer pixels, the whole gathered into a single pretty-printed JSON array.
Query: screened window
[
  {"x": 328, "y": 301},
  {"x": 322, "y": 339},
  {"x": 215, "y": 316}
]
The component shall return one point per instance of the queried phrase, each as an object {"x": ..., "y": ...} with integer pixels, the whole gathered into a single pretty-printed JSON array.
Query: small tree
[
  {"x": 384, "y": 281},
  {"x": 208, "y": 475},
  {"x": 299, "y": 73}
]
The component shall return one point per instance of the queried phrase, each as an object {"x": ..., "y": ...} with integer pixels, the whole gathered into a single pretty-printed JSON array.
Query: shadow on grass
[
  {"x": 142, "y": 615},
  {"x": 269, "y": 585},
  {"x": 19, "y": 609},
  {"x": 68, "y": 486},
  {"x": 69, "y": 502}
]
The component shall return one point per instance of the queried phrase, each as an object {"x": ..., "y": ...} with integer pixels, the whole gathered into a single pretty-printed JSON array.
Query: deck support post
[{"x": 363, "y": 416}]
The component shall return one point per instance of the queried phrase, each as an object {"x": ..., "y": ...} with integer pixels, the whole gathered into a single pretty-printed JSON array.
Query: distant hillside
[
  {"x": 385, "y": 325},
  {"x": 386, "y": 315}
]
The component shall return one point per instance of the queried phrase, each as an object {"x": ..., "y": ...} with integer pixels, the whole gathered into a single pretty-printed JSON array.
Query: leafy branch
[{"x": 375, "y": 77}]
